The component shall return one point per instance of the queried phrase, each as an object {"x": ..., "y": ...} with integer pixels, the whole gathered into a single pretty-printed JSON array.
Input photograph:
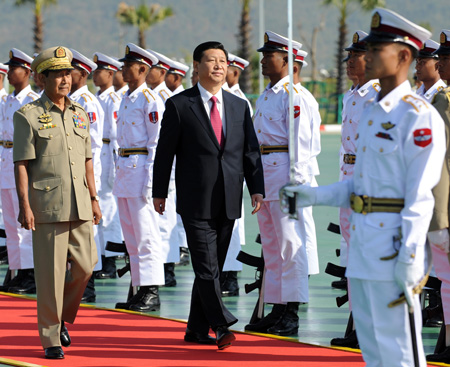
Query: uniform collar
[
  {"x": 161, "y": 87},
  {"x": 79, "y": 92},
  {"x": 439, "y": 85},
  {"x": 135, "y": 94},
  {"x": 362, "y": 91},
  {"x": 234, "y": 88},
  {"x": 391, "y": 100},
  {"x": 48, "y": 104},
  {"x": 22, "y": 94},
  {"x": 279, "y": 86},
  {"x": 105, "y": 93},
  {"x": 121, "y": 92}
]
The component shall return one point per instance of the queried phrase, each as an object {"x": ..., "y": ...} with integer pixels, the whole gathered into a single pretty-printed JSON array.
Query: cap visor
[
  {"x": 268, "y": 48},
  {"x": 442, "y": 51}
]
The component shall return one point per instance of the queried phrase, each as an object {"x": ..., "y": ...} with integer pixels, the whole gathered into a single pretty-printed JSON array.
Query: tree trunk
[
  {"x": 141, "y": 39},
  {"x": 244, "y": 45},
  {"x": 340, "y": 80},
  {"x": 38, "y": 31}
]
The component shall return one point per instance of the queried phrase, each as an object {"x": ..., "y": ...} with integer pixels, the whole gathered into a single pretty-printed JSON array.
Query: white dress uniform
[
  {"x": 168, "y": 221},
  {"x": 283, "y": 240},
  {"x": 19, "y": 242},
  {"x": 121, "y": 92},
  {"x": 110, "y": 223},
  {"x": 178, "y": 90},
  {"x": 96, "y": 115},
  {"x": 429, "y": 94},
  {"x": 138, "y": 127},
  {"x": 236, "y": 89},
  {"x": 400, "y": 147},
  {"x": 3, "y": 96}
]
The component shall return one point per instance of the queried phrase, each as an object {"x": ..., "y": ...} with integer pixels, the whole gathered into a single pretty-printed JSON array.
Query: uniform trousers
[
  {"x": 284, "y": 249},
  {"x": 384, "y": 333},
  {"x": 141, "y": 232},
  {"x": 168, "y": 228},
  {"x": 310, "y": 236},
  {"x": 64, "y": 255},
  {"x": 208, "y": 241},
  {"x": 19, "y": 240},
  {"x": 237, "y": 240},
  {"x": 182, "y": 240},
  {"x": 442, "y": 268}
]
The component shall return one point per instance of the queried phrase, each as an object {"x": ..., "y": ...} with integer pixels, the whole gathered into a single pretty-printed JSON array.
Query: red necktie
[{"x": 216, "y": 121}]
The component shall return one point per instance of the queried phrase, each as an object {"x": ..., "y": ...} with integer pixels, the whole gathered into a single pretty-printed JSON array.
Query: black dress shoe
[
  {"x": 145, "y": 300},
  {"x": 54, "y": 353},
  {"x": 443, "y": 357},
  {"x": 288, "y": 323},
  {"x": 224, "y": 337},
  {"x": 199, "y": 338},
  {"x": 349, "y": 341},
  {"x": 88, "y": 299},
  {"x": 268, "y": 321},
  {"x": 229, "y": 284},
  {"x": 64, "y": 336}
]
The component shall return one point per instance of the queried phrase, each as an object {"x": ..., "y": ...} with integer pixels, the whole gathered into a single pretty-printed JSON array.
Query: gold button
[
  {"x": 274, "y": 163},
  {"x": 70, "y": 148},
  {"x": 356, "y": 149},
  {"x": 123, "y": 122},
  {"x": 270, "y": 118},
  {"x": 72, "y": 163},
  {"x": 50, "y": 136},
  {"x": 370, "y": 122},
  {"x": 387, "y": 103},
  {"x": 353, "y": 103},
  {"x": 356, "y": 136},
  {"x": 134, "y": 165},
  {"x": 74, "y": 177},
  {"x": 348, "y": 137},
  {"x": 381, "y": 224},
  {"x": 345, "y": 172},
  {"x": 10, "y": 105},
  {"x": 125, "y": 107},
  {"x": 353, "y": 227},
  {"x": 47, "y": 188},
  {"x": 364, "y": 149},
  {"x": 413, "y": 256},
  {"x": 260, "y": 114},
  {"x": 381, "y": 150},
  {"x": 350, "y": 121},
  {"x": 265, "y": 98},
  {"x": 259, "y": 130},
  {"x": 67, "y": 134},
  {"x": 360, "y": 175}
]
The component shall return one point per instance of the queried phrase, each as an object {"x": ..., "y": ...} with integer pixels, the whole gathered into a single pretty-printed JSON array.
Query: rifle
[
  {"x": 337, "y": 271},
  {"x": 122, "y": 248}
]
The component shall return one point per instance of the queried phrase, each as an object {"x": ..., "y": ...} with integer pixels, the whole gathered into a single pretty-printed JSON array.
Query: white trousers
[
  {"x": 237, "y": 240},
  {"x": 285, "y": 255},
  {"x": 19, "y": 240},
  {"x": 384, "y": 333},
  {"x": 168, "y": 227},
  {"x": 143, "y": 240}
]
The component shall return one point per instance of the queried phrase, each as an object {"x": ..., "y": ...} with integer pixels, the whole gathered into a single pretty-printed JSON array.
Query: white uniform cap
[
  {"x": 163, "y": 61},
  {"x": 237, "y": 61},
  {"x": 428, "y": 49},
  {"x": 388, "y": 26},
  {"x": 105, "y": 62},
  {"x": 138, "y": 54},
  {"x": 4, "y": 69},
  {"x": 358, "y": 42},
  {"x": 19, "y": 58},
  {"x": 300, "y": 57},
  {"x": 274, "y": 42},
  {"x": 177, "y": 67},
  {"x": 81, "y": 61}
]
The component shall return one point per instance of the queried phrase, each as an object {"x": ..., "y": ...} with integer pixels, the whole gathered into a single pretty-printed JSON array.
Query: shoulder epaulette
[
  {"x": 285, "y": 87},
  {"x": 4, "y": 97},
  {"x": 86, "y": 96},
  {"x": 33, "y": 96},
  {"x": 416, "y": 102},
  {"x": 377, "y": 87},
  {"x": 146, "y": 92},
  {"x": 114, "y": 97},
  {"x": 162, "y": 92},
  {"x": 443, "y": 91},
  {"x": 29, "y": 106}
]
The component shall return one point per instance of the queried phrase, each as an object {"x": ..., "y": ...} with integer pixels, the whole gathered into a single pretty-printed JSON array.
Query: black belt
[
  {"x": 365, "y": 204},
  {"x": 126, "y": 152},
  {"x": 7, "y": 144},
  {"x": 349, "y": 158},
  {"x": 106, "y": 140},
  {"x": 267, "y": 149}
]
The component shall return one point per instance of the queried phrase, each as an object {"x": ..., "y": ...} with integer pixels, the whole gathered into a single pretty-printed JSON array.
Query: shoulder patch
[
  {"x": 416, "y": 102},
  {"x": 377, "y": 87},
  {"x": 29, "y": 106},
  {"x": 148, "y": 94}
]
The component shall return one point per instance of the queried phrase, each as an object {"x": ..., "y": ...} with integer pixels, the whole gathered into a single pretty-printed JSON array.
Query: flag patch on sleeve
[
  {"x": 153, "y": 117},
  {"x": 296, "y": 111},
  {"x": 422, "y": 137},
  {"x": 115, "y": 115},
  {"x": 92, "y": 117}
]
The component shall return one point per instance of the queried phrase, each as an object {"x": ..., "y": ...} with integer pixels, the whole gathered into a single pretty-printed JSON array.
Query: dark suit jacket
[{"x": 205, "y": 176}]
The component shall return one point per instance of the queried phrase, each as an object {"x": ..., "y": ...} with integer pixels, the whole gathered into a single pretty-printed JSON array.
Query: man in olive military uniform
[{"x": 57, "y": 196}]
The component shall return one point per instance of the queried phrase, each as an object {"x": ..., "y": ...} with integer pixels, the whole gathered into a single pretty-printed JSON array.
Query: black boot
[
  {"x": 26, "y": 285},
  {"x": 184, "y": 256},
  {"x": 8, "y": 282},
  {"x": 149, "y": 300},
  {"x": 169, "y": 275},
  {"x": 229, "y": 284},
  {"x": 288, "y": 323},
  {"x": 89, "y": 293},
  {"x": 349, "y": 341},
  {"x": 433, "y": 315},
  {"x": 3, "y": 255},
  {"x": 268, "y": 321},
  {"x": 108, "y": 268}
]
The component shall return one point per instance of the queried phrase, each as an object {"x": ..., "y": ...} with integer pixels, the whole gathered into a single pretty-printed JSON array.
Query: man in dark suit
[{"x": 211, "y": 134}]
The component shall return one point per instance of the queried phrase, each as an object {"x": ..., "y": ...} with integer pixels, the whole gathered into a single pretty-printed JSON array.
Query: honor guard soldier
[
  {"x": 401, "y": 146},
  {"x": 110, "y": 102},
  {"x": 283, "y": 240},
  {"x": 426, "y": 71},
  {"x": 313, "y": 115},
  {"x": 236, "y": 65},
  {"x": 56, "y": 190},
  {"x": 175, "y": 75},
  {"x": 352, "y": 111},
  {"x": 438, "y": 236},
  {"x": 3, "y": 96},
  {"x": 168, "y": 221},
  {"x": 120, "y": 86},
  {"x": 81, "y": 94},
  {"x": 137, "y": 134},
  {"x": 19, "y": 242}
]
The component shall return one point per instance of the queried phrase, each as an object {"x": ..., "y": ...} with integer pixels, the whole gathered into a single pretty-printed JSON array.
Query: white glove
[
  {"x": 407, "y": 276},
  {"x": 439, "y": 239},
  {"x": 306, "y": 196},
  {"x": 147, "y": 194}
]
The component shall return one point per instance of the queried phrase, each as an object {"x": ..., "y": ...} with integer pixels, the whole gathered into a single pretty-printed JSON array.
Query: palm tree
[
  {"x": 244, "y": 45},
  {"x": 143, "y": 17},
  {"x": 345, "y": 8},
  {"x": 38, "y": 29}
]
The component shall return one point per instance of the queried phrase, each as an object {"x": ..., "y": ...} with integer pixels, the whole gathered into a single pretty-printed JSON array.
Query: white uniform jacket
[
  {"x": 235, "y": 89},
  {"x": 8, "y": 108},
  {"x": 121, "y": 92},
  {"x": 400, "y": 147},
  {"x": 429, "y": 94},
  {"x": 163, "y": 92},
  {"x": 178, "y": 90},
  {"x": 138, "y": 126}
]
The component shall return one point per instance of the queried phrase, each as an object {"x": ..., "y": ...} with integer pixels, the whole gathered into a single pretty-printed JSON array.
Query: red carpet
[{"x": 104, "y": 338}]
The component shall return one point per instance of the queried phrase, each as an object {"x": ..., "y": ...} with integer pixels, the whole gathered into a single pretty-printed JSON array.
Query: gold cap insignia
[
  {"x": 387, "y": 125},
  {"x": 127, "y": 50},
  {"x": 266, "y": 38},
  {"x": 355, "y": 38},
  {"x": 376, "y": 20},
  {"x": 95, "y": 58},
  {"x": 10, "y": 54},
  {"x": 443, "y": 38},
  {"x": 60, "y": 52},
  {"x": 423, "y": 46}
]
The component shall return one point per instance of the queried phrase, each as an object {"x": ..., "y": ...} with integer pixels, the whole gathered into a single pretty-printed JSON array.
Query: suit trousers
[
  {"x": 64, "y": 256},
  {"x": 208, "y": 241}
]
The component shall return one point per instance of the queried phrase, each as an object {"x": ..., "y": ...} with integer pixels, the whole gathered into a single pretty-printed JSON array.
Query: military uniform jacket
[
  {"x": 110, "y": 103},
  {"x": 429, "y": 94},
  {"x": 236, "y": 89},
  {"x": 271, "y": 123},
  {"x": 441, "y": 192},
  {"x": 56, "y": 144},
  {"x": 163, "y": 92},
  {"x": 138, "y": 126},
  {"x": 9, "y": 107},
  {"x": 121, "y": 92},
  {"x": 178, "y": 90},
  {"x": 354, "y": 105},
  {"x": 400, "y": 147}
]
